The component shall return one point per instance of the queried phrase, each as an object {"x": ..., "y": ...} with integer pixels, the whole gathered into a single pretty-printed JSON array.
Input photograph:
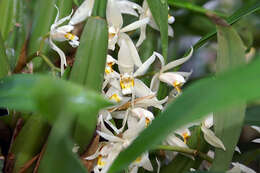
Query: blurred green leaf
[
  {"x": 159, "y": 9},
  {"x": 228, "y": 122},
  {"x": 253, "y": 116},
  {"x": 7, "y": 13},
  {"x": 4, "y": 65},
  {"x": 99, "y": 8},
  {"x": 17, "y": 37},
  {"x": 194, "y": 7},
  {"x": 29, "y": 141},
  {"x": 192, "y": 106},
  {"x": 58, "y": 155},
  {"x": 44, "y": 94},
  {"x": 237, "y": 15},
  {"x": 88, "y": 70}
]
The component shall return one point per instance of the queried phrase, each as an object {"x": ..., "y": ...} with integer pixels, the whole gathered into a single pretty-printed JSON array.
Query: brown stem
[
  {"x": 28, "y": 164},
  {"x": 40, "y": 158}
]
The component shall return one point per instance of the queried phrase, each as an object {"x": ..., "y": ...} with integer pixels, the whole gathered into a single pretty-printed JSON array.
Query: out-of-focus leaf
[
  {"x": 7, "y": 13},
  {"x": 193, "y": 7},
  {"x": 228, "y": 122},
  {"x": 99, "y": 8},
  {"x": 17, "y": 37},
  {"x": 29, "y": 142},
  {"x": 192, "y": 105},
  {"x": 253, "y": 116},
  {"x": 4, "y": 65},
  {"x": 159, "y": 9},
  {"x": 88, "y": 70},
  {"x": 58, "y": 155},
  {"x": 237, "y": 15},
  {"x": 42, "y": 21},
  {"x": 42, "y": 94}
]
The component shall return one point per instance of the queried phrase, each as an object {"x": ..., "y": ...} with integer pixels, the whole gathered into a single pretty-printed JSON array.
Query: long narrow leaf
[
  {"x": 159, "y": 9},
  {"x": 192, "y": 105},
  {"x": 4, "y": 65},
  {"x": 237, "y": 15}
]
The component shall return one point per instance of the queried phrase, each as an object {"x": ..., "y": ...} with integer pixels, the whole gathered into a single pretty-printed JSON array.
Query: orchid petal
[
  {"x": 114, "y": 16},
  {"x": 61, "y": 54},
  {"x": 211, "y": 138},
  {"x": 125, "y": 63},
  {"x": 132, "y": 49},
  {"x": 155, "y": 82},
  {"x": 127, "y": 7},
  {"x": 171, "y": 77},
  {"x": 145, "y": 66},
  {"x": 84, "y": 10},
  {"x": 177, "y": 62},
  {"x": 135, "y": 25}
]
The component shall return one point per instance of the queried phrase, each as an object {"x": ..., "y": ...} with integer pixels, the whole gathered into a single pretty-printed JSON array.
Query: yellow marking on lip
[
  {"x": 138, "y": 159},
  {"x": 147, "y": 121},
  {"x": 126, "y": 83},
  {"x": 185, "y": 136},
  {"x": 70, "y": 36},
  {"x": 115, "y": 97},
  {"x": 109, "y": 68},
  {"x": 100, "y": 162},
  {"x": 177, "y": 86},
  {"x": 111, "y": 35}
]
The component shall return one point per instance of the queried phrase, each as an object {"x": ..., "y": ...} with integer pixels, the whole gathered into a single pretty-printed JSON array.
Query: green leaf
[
  {"x": 99, "y": 8},
  {"x": 4, "y": 65},
  {"x": 46, "y": 95},
  {"x": 29, "y": 141},
  {"x": 159, "y": 9},
  {"x": 193, "y": 7},
  {"x": 88, "y": 70},
  {"x": 237, "y": 15},
  {"x": 253, "y": 116},
  {"x": 228, "y": 122},
  {"x": 192, "y": 105},
  {"x": 58, "y": 155},
  {"x": 7, "y": 13}
]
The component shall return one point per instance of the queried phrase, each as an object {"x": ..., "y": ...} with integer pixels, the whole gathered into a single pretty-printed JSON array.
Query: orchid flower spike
[
  {"x": 84, "y": 11},
  {"x": 62, "y": 33},
  {"x": 115, "y": 23},
  {"x": 175, "y": 79},
  {"x": 147, "y": 14}
]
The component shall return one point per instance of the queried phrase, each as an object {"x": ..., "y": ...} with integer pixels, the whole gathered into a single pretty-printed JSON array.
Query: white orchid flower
[
  {"x": 143, "y": 113},
  {"x": 84, "y": 11},
  {"x": 209, "y": 135},
  {"x": 240, "y": 168},
  {"x": 115, "y": 24},
  {"x": 105, "y": 154},
  {"x": 142, "y": 161},
  {"x": 126, "y": 67},
  {"x": 175, "y": 79},
  {"x": 128, "y": 7},
  {"x": 147, "y": 14},
  {"x": 62, "y": 33}
]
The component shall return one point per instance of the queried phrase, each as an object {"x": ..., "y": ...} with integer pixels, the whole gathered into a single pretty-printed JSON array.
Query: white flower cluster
[{"x": 133, "y": 99}]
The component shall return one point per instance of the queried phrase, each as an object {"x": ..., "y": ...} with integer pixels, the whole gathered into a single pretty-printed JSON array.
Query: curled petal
[
  {"x": 177, "y": 62},
  {"x": 58, "y": 21},
  {"x": 84, "y": 10},
  {"x": 145, "y": 66},
  {"x": 170, "y": 31},
  {"x": 142, "y": 35},
  {"x": 154, "y": 86},
  {"x": 127, "y": 7},
  {"x": 171, "y": 78},
  {"x": 208, "y": 122},
  {"x": 141, "y": 90},
  {"x": 110, "y": 138},
  {"x": 113, "y": 13},
  {"x": 132, "y": 49},
  {"x": 61, "y": 54},
  {"x": 135, "y": 25},
  {"x": 243, "y": 168},
  {"x": 211, "y": 138},
  {"x": 125, "y": 63}
]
